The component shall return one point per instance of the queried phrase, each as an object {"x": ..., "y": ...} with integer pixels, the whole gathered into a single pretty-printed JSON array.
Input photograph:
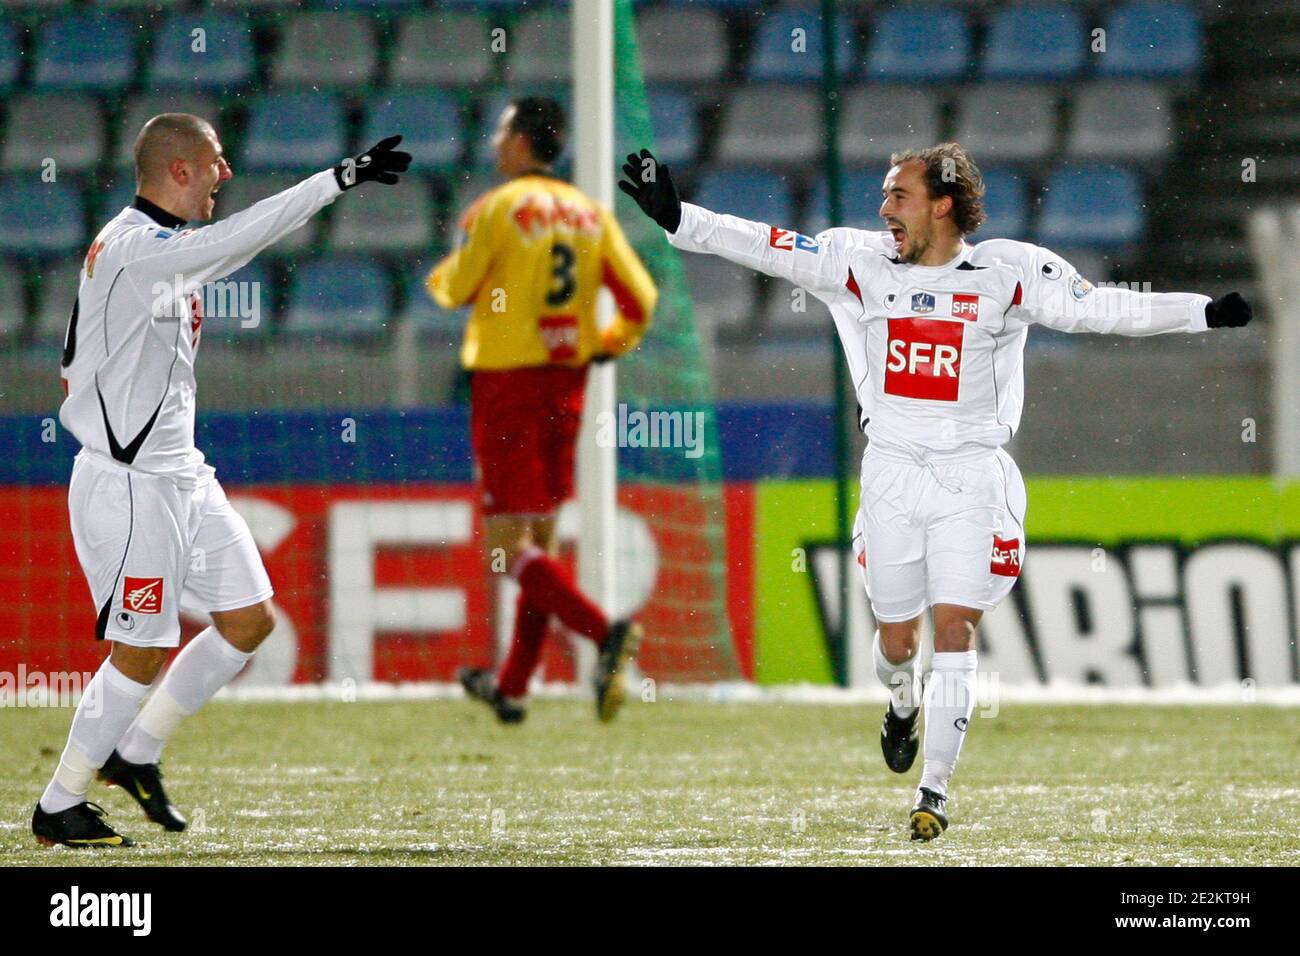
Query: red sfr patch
[
  {"x": 142, "y": 595},
  {"x": 1006, "y": 557},
  {"x": 923, "y": 359},
  {"x": 965, "y": 306},
  {"x": 560, "y": 336}
]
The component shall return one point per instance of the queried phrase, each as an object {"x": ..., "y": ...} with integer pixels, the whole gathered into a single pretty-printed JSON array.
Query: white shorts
[
  {"x": 939, "y": 533},
  {"x": 147, "y": 546}
]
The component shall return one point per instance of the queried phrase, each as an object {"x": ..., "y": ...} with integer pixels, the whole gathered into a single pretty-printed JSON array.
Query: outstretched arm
[
  {"x": 818, "y": 265},
  {"x": 203, "y": 255},
  {"x": 1053, "y": 294}
]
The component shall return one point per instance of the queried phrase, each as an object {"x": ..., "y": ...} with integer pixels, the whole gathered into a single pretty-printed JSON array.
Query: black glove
[
  {"x": 600, "y": 358},
  {"x": 381, "y": 163},
  {"x": 658, "y": 197},
  {"x": 1229, "y": 311}
]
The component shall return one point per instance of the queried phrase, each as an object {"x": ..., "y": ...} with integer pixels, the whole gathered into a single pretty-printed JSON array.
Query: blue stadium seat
[
  {"x": 432, "y": 124},
  {"x": 344, "y": 297},
  {"x": 84, "y": 51},
  {"x": 1005, "y": 204},
  {"x": 1152, "y": 39},
  {"x": 676, "y": 127},
  {"x": 239, "y": 308},
  {"x": 749, "y": 193},
  {"x": 39, "y": 218},
  {"x": 224, "y": 63},
  {"x": 425, "y": 314},
  {"x": 1092, "y": 206},
  {"x": 298, "y": 131},
  {"x": 911, "y": 44},
  {"x": 774, "y": 59},
  {"x": 1035, "y": 42},
  {"x": 859, "y": 201},
  {"x": 9, "y": 61}
]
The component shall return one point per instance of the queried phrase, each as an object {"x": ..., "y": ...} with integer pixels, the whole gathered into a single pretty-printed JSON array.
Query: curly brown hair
[{"x": 949, "y": 171}]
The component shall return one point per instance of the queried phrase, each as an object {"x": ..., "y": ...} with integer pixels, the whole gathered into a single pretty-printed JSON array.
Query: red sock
[
  {"x": 525, "y": 649},
  {"x": 548, "y": 588}
]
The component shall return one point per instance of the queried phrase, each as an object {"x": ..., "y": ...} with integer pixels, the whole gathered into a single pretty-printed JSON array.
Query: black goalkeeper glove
[
  {"x": 381, "y": 163},
  {"x": 650, "y": 185},
  {"x": 1229, "y": 311}
]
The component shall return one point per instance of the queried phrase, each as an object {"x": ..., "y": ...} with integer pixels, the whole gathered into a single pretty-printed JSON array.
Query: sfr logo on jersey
[
  {"x": 965, "y": 306},
  {"x": 1006, "y": 557},
  {"x": 560, "y": 336},
  {"x": 142, "y": 595},
  {"x": 924, "y": 359}
]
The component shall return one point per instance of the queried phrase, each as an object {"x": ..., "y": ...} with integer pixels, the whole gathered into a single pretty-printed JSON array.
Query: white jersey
[
  {"x": 128, "y": 358},
  {"x": 936, "y": 352}
]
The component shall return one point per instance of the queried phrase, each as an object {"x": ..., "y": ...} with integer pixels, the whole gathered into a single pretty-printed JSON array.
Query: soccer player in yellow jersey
[{"x": 533, "y": 254}]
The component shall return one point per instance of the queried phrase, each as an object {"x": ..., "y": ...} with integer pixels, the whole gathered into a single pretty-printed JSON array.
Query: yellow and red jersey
[{"x": 535, "y": 252}]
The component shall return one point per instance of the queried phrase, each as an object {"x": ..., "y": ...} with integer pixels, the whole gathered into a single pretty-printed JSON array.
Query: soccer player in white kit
[
  {"x": 933, "y": 329},
  {"x": 150, "y": 521}
]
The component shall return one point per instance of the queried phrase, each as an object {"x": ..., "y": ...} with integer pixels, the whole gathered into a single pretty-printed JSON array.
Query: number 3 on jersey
[
  {"x": 560, "y": 332},
  {"x": 923, "y": 359}
]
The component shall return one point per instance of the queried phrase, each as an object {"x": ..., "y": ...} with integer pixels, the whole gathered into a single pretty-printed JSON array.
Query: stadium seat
[
  {"x": 299, "y": 131},
  {"x": 448, "y": 49},
  {"x": 859, "y": 201},
  {"x": 791, "y": 312},
  {"x": 770, "y": 125},
  {"x": 246, "y": 189},
  {"x": 9, "y": 54},
  {"x": 39, "y": 218},
  {"x": 1156, "y": 39},
  {"x": 56, "y": 284},
  {"x": 84, "y": 51},
  {"x": 1121, "y": 121},
  {"x": 426, "y": 315},
  {"x": 681, "y": 45},
  {"x": 776, "y": 57},
  {"x": 13, "y": 308},
  {"x": 751, "y": 194},
  {"x": 224, "y": 63},
  {"x": 1035, "y": 42},
  {"x": 539, "y": 49},
  {"x": 432, "y": 124},
  {"x": 675, "y": 124},
  {"x": 915, "y": 43},
  {"x": 1091, "y": 206},
  {"x": 878, "y": 121},
  {"x": 118, "y": 195},
  {"x": 723, "y": 294},
  {"x": 239, "y": 309},
  {"x": 1006, "y": 206},
  {"x": 385, "y": 219},
  {"x": 1009, "y": 124},
  {"x": 65, "y": 127},
  {"x": 326, "y": 48},
  {"x": 344, "y": 297},
  {"x": 140, "y": 109}
]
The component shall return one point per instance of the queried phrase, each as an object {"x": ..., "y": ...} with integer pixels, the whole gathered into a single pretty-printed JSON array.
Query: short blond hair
[{"x": 166, "y": 137}]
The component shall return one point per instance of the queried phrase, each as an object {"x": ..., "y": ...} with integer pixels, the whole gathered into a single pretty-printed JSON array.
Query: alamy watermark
[
  {"x": 651, "y": 429},
  {"x": 43, "y": 688}
]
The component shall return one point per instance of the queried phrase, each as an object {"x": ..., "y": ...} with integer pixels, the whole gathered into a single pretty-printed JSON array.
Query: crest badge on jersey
[
  {"x": 922, "y": 302},
  {"x": 142, "y": 595}
]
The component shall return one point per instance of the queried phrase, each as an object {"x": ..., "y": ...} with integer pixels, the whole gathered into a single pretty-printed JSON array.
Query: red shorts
[{"x": 524, "y": 425}]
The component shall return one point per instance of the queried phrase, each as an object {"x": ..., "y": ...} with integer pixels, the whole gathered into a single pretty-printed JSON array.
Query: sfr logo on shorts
[
  {"x": 924, "y": 359},
  {"x": 1006, "y": 557},
  {"x": 143, "y": 595}
]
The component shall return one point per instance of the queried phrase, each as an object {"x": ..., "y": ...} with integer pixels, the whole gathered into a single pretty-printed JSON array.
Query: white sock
[
  {"x": 107, "y": 707},
  {"x": 206, "y": 664},
  {"x": 899, "y": 679},
  {"x": 949, "y": 702}
]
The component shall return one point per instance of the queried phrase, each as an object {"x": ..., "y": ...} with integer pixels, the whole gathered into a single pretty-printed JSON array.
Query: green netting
[{"x": 670, "y": 373}]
